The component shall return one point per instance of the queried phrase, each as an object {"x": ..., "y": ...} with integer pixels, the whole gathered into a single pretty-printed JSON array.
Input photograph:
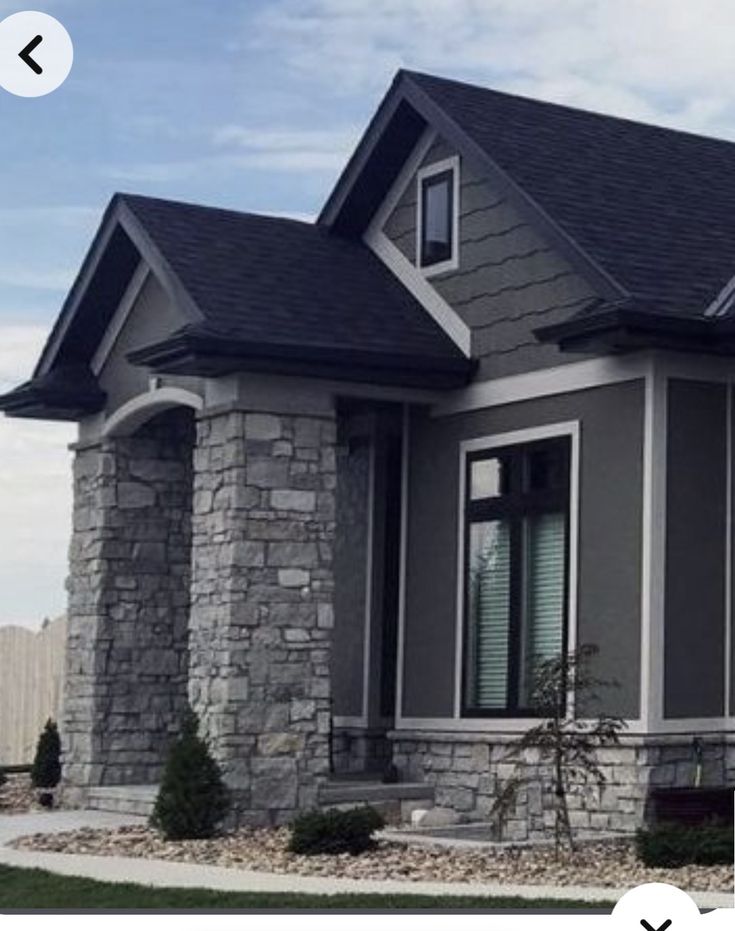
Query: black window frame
[
  {"x": 514, "y": 505},
  {"x": 445, "y": 176}
]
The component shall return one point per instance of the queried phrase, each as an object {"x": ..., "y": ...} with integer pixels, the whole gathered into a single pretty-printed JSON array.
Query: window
[
  {"x": 516, "y": 544},
  {"x": 437, "y": 216}
]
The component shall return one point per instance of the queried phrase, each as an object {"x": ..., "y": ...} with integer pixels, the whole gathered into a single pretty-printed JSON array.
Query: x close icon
[
  {"x": 36, "y": 54},
  {"x": 662, "y": 927}
]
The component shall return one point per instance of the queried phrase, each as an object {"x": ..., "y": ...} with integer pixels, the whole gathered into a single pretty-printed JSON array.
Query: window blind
[
  {"x": 545, "y": 539},
  {"x": 490, "y": 609}
]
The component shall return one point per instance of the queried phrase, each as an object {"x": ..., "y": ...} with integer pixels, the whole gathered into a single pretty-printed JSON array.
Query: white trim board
[
  {"x": 580, "y": 376},
  {"x": 403, "y": 179},
  {"x": 120, "y": 317},
  {"x": 415, "y": 282},
  {"x": 451, "y": 164},
  {"x": 516, "y": 437},
  {"x": 653, "y": 540},
  {"x": 479, "y": 728}
]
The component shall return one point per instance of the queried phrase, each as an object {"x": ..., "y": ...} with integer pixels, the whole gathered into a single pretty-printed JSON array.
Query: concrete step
[
  {"x": 394, "y": 801},
  {"x": 124, "y": 800},
  {"x": 339, "y": 791}
]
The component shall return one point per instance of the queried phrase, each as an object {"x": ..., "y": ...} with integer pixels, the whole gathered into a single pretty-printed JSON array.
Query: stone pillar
[
  {"x": 127, "y": 656},
  {"x": 260, "y": 629}
]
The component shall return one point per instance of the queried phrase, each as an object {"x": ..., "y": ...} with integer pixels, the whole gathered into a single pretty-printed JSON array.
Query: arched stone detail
[{"x": 135, "y": 412}]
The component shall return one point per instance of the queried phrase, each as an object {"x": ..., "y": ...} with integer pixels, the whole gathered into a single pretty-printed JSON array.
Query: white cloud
[
  {"x": 20, "y": 347},
  {"x": 667, "y": 60},
  {"x": 35, "y": 495},
  {"x": 27, "y": 235},
  {"x": 292, "y": 151}
]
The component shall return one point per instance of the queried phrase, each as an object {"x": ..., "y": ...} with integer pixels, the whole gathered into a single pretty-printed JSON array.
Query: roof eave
[
  {"x": 625, "y": 330},
  {"x": 69, "y": 397},
  {"x": 211, "y": 355}
]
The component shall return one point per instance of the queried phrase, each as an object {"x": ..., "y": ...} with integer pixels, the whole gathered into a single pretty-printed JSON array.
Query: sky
[{"x": 256, "y": 106}]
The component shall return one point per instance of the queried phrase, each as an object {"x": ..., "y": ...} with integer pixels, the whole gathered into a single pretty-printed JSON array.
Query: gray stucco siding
[
  {"x": 694, "y": 653},
  {"x": 153, "y": 317},
  {"x": 609, "y": 584},
  {"x": 510, "y": 279}
]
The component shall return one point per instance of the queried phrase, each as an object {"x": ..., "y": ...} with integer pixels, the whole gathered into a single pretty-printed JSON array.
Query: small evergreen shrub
[
  {"x": 333, "y": 832},
  {"x": 673, "y": 845},
  {"x": 46, "y": 769},
  {"x": 193, "y": 799}
]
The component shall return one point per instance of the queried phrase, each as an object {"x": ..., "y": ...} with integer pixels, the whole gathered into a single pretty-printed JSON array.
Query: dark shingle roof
[
  {"x": 270, "y": 280},
  {"x": 654, "y": 207}
]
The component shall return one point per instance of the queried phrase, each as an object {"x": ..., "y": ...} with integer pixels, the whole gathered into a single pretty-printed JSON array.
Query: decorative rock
[{"x": 434, "y": 818}]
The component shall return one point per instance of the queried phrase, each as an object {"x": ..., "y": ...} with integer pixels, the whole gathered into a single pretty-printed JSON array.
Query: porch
[{"x": 245, "y": 561}]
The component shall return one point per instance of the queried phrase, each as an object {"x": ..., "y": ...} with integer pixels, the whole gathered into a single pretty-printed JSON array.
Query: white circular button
[
  {"x": 36, "y": 54},
  {"x": 656, "y": 907}
]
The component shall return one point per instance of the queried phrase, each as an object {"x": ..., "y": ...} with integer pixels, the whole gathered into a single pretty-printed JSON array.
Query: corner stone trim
[{"x": 261, "y": 604}]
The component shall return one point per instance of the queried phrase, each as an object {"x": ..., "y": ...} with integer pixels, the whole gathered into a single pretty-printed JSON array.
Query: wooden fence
[{"x": 31, "y": 686}]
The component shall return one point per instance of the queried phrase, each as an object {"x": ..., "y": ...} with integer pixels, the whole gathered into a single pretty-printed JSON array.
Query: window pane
[
  {"x": 545, "y": 469},
  {"x": 486, "y": 479},
  {"x": 545, "y": 573},
  {"x": 489, "y": 614},
  {"x": 436, "y": 245}
]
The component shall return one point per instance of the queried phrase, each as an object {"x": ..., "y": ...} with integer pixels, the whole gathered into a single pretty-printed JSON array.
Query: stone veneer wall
[
  {"x": 130, "y": 555},
  {"x": 468, "y": 773},
  {"x": 262, "y": 613}
]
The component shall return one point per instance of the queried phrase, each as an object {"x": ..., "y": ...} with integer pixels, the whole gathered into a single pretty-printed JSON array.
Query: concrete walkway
[{"x": 164, "y": 873}]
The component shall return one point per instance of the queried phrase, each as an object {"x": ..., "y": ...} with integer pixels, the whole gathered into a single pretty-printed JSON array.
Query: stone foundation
[
  {"x": 356, "y": 750},
  {"x": 469, "y": 772},
  {"x": 262, "y": 614}
]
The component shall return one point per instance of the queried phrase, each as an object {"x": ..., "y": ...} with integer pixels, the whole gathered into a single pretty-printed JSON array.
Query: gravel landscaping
[
  {"x": 17, "y": 796},
  {"x": 603, "y": 865}
]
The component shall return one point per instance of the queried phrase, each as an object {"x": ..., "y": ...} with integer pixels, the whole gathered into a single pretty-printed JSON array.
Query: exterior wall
[
  {"x": 470, "y": 772},
  {"x": 153, "y": 317},
  {"x": 350, "y": 571},
  {"x": 262, "y": 604},
  {"x": 609, "y": 592},
  {"x": 128, "y": 603},
  {"x": 31, "y": 686},
  {"x": 696, "y": 483},
  {"x": 510, "y": 280}
]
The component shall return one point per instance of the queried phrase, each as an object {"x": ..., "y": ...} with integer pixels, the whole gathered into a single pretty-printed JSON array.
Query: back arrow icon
[{"x": 25, "y": 55}]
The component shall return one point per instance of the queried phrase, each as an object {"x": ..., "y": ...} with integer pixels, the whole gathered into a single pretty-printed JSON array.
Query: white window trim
[
  {"x": 515, "y": 438},
  {"x": 429, "y": 171}
]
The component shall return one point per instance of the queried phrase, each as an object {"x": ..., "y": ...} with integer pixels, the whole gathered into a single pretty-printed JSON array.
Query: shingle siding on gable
[{"x": 509, "y": 281}]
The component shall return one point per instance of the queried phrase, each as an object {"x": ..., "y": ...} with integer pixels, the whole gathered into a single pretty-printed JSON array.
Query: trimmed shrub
[
  {"x": 193, "y": 799},
  {"x": 333, "y": 832},
  {"x": 46, "y": 769},
  {"x": 673, "y": 845}
]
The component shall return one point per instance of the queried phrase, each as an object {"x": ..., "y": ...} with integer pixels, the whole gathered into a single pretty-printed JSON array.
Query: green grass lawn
[{"x": 37, "y": 889}]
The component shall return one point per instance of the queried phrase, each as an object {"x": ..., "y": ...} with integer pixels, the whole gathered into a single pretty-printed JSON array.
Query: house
[{"x": 342, "y": 484}]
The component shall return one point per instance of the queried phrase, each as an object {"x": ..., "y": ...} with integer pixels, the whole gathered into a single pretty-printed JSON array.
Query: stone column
[
  {"x": 127, "y": 657},
  {"x": 262, "y": 612}
]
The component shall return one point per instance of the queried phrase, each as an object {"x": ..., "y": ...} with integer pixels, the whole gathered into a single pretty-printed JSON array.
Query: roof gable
[
  {"x": 255, "y": 293},
  {"x": 647, "y": 212}
]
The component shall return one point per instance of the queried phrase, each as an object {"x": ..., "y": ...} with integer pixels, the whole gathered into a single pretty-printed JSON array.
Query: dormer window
[{"x": 438, "y": 217}]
